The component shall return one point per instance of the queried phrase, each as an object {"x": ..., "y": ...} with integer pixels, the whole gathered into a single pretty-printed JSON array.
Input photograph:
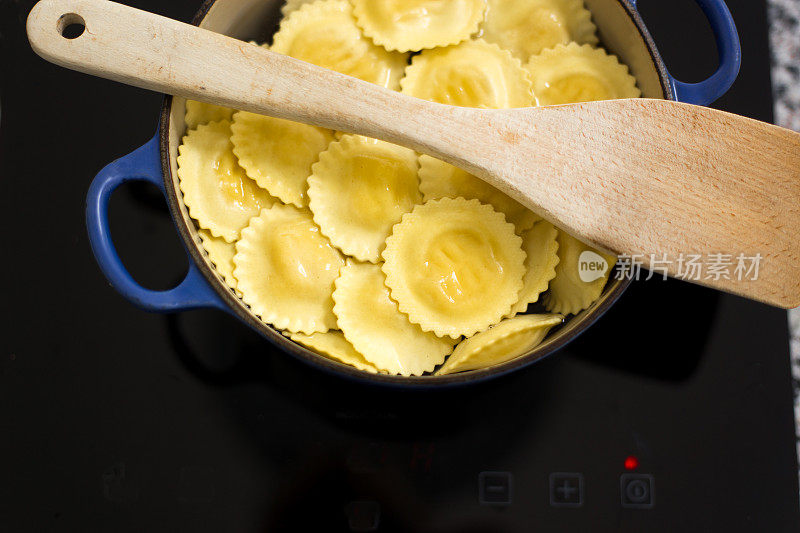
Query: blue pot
[{"x": 621, "y": 30}]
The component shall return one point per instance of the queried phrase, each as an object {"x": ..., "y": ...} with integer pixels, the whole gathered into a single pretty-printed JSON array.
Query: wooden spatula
[{"x": 646, "y": 178}]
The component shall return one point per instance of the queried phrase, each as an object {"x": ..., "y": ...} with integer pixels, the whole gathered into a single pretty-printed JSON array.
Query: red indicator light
[{"x": 631, "y": 463}]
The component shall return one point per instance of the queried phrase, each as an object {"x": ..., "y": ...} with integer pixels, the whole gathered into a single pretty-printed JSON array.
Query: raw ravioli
[
  {"x": 576, "y": 287},
  {"x": 216, "y": 190},
  {"x": 573, "y": 73},
  {"x": 470, "y": 74},
  {"x": 278, "y": 154},
  {"x": 359, "y": 189},
  {"x": 325, "y": 33},
  {"x": 455, "y": 266},
  {"x": 438, "y": 179},
  {"x": 334, "y": 346},
  {"x": 526, "y": 27},
  {"x": 286, "y": 269},
  {"x": 541, "y": 249},
  {"x": 371, "y": 321},
  {"x": 411, "y": 25},
  {"x": 202, "y": 113},
  {"x": 507, "y": 340},
  {"x": 220, "y": 253}
]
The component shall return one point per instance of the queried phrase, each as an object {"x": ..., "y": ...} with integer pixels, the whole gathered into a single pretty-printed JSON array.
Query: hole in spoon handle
[{"x": 71, "y": 26}]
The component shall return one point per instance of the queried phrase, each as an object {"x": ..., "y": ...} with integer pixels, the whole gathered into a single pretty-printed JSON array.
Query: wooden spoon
[{"x": 627, "y": 176}]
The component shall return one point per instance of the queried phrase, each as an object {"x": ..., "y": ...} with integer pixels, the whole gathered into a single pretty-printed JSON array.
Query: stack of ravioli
[{"x": 367, "y": 252}]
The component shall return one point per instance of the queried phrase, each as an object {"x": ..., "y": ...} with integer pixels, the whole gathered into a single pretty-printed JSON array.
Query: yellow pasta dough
[
  {"x": 455, "y": 266},
  {"x": 507, "y": 340},
  {"x": 541, "y": 249},
  {"x": 201, "y": 113},
  {"x": 286, "y": 269},
  {"x": 371, "y": 321},
  {"x": 411, "y": 25},
  {"x": 216, "y": 190},
  {"x": 359, "y": 189},
  {"x": 377, "y": 257},
  {"x": 581, "y": 275},
  {"x": 574, "y": 73},
  {"x": 438, "y": 179},
  {"x": 293, "y": 5},
  {"x": 278, "y": 154},
  {"x": 220, "y": 253},
  {"x": 325, "y": 33},
  {"x": 470, "y": 74},
  {"x": 334, "y": 346},
  {"x": 527, "y": 27}
]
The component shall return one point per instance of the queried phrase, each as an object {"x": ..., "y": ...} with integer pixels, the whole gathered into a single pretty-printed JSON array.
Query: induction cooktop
[{"x": 674, "y": 412}]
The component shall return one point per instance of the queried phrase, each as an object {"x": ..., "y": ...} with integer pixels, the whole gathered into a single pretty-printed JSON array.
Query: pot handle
[
  {"x": 143, "y": 164},
  {"x": 730, "y": 57}
]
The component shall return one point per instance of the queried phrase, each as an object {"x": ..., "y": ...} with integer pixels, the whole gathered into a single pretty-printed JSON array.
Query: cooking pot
[{"x": 621, "y": 31}]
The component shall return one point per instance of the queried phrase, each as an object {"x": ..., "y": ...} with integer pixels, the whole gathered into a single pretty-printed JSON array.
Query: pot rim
[{"x": 575, "y": 325}]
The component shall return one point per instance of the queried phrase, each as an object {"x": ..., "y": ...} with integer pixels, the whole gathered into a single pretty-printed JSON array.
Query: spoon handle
[
  {"x": 142, "y": 49},
  {"x": 636, "y": 176}
]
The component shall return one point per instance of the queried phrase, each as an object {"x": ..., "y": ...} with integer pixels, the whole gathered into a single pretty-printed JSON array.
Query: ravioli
[
  {"x": 325, "y": 33},
  {"x": 454, "y": 266},
  {"x": 220, "y": 253},
  {"x": 438, "y": 179},
  {"x": 411, "y": 25},
  {"x": 504, "y": 342},
  {"x": 216, "y": 190},
  {"x": 372, "y": 322},
  {"x": 286, "y": 269},
  {"x": 541, "y": 249},
  {"x": 333, "y": 345},
  {"x": 293, "y": 5},
  {"x": 198, "y": 113},
  {"x": 368, "y": 253},
  {"x": 527, "y": 27},
  {"x": 470, "y": 74},
  {"x": 574, "y": 73},
  {"x": 359, "y": 189},
  {"x": 570, "y": 291},
  {"x": 278, "y": 154}
]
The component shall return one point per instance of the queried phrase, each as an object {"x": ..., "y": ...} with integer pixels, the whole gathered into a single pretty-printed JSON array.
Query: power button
[{"x": 637, "y": 491}]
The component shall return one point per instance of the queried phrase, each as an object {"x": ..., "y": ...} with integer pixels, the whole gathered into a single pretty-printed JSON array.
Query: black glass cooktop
[{"x": 673, "y": 412}]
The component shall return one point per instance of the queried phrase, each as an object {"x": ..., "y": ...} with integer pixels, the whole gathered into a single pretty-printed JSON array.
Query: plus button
[{"x": 566, "y": 489}]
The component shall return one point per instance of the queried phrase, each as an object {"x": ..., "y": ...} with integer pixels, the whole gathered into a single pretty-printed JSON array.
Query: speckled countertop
[{"x": 784, "y": 18}]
